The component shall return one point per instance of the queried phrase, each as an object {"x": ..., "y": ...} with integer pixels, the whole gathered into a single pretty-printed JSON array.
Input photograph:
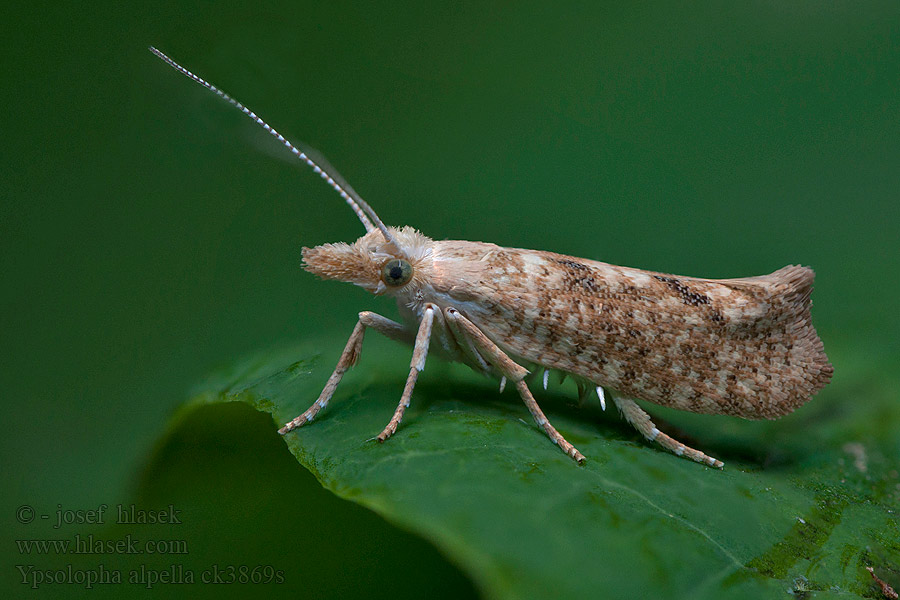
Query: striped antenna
[{"x": 318, "y": 163}]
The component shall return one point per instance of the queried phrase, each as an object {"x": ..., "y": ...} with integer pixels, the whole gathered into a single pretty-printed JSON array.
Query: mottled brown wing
[{"x": 742, "y": 347}]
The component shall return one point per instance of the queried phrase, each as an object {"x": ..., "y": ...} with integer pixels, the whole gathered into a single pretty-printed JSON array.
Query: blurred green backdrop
[{"x": 149, "y": 233}]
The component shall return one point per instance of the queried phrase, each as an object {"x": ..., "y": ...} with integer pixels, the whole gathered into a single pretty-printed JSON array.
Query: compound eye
[{"x": 396, "y": 272}]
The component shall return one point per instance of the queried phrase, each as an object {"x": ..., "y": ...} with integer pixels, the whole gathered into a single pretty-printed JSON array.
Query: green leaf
[{"x": 804, "y": 503}]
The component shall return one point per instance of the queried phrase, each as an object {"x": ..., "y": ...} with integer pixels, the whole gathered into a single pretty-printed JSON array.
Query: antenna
[{"x": 318, "y": 164}]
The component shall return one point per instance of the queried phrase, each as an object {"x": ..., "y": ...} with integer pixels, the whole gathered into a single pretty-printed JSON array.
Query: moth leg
[
  {"x": 514, "y": 372},
  {"x": 386, "y": 327},
  {"x": 420, "y": 351},
  {"x": 541, "y": 419},
  {"x": 348, "y": 358},
  {"x": 635, "y": 415},
  {"x": 467, "y": 347}
]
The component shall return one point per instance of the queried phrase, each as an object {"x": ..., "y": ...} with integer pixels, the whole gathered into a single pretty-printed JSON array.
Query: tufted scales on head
[{"x": 361, "y": 262}]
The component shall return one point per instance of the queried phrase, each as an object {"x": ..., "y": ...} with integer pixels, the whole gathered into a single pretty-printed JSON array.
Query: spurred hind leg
[{"x": 635, "y": 415}]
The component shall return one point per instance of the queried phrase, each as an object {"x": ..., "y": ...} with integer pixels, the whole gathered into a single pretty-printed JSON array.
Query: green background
[{"x": 150, "y": 233}]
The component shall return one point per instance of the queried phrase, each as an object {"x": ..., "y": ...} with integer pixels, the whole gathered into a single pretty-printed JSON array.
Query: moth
[{"x": 744, "y": 347}]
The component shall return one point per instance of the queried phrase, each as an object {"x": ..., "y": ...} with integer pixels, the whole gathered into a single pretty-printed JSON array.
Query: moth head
[{"x": 374, "y": 263}]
